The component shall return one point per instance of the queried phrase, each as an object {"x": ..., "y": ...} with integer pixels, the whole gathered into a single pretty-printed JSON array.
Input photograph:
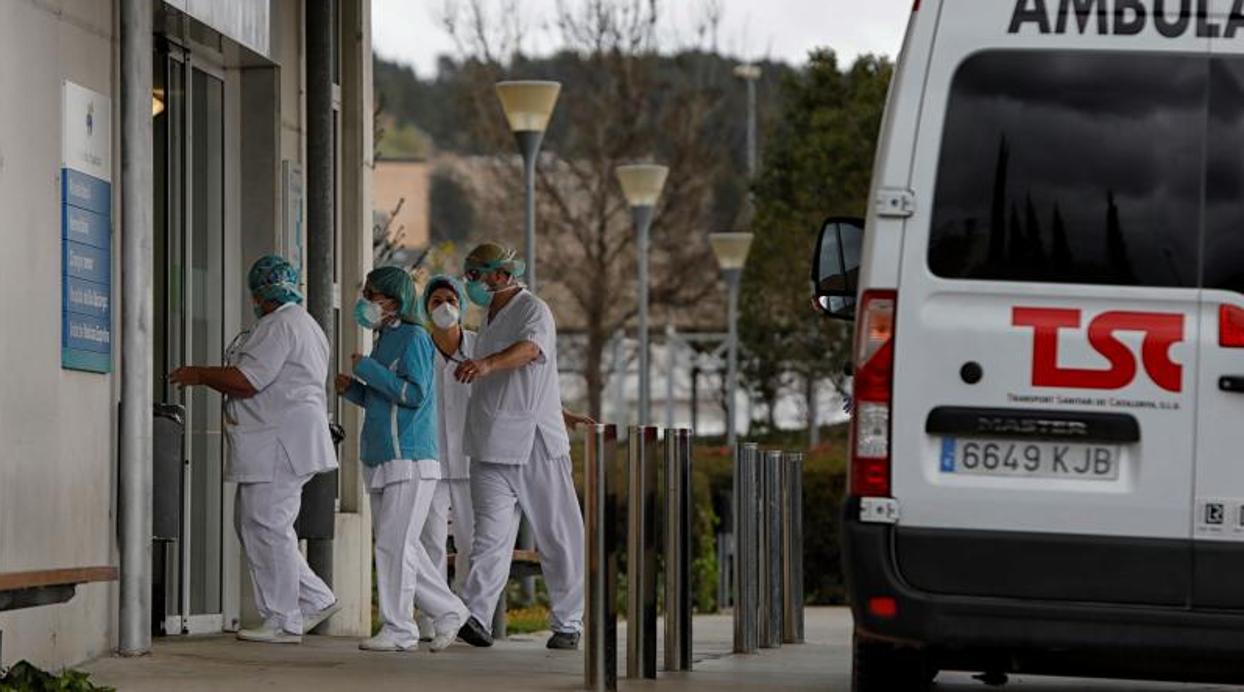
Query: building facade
[{"x": 228, "y": 156}]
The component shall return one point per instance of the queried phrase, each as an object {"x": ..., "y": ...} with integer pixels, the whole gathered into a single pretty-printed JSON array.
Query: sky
[{"x": 410, "y": 31}]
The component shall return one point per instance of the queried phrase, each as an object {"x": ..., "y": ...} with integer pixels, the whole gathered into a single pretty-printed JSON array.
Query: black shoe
[
  {"x": 564, "y": 640},
  {"x": 473, "y": 633}
]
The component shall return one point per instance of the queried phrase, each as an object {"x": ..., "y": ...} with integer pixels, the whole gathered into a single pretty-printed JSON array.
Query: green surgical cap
[
  {"x": 395, "y": 283},
  {"x": 491, "y": 257}
]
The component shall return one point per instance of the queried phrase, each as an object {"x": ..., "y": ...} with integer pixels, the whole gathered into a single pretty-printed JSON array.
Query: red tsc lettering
[{"x": 1161, "y": 330}]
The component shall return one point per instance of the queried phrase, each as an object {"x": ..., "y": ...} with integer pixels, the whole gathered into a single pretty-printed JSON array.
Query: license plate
[{"x": 1030, "y": 459}]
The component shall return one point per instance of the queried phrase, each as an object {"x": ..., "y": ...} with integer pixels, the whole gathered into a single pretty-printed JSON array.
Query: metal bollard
[
  {"x": 746, "y": 521},
  {"x": 792, "y": 548},
  {"x": 765, "y": 553},
  {"x": 600, "y": 504},
  {"x": 772, "y": 562},
  {"x": 641, "y": 553},
  {"x": 761, "y": 556},
  {"x": 677, "y": 549}
]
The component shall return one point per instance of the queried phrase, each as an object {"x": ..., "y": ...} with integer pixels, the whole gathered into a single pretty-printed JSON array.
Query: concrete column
[
  {"x": 352, "y": 546},
  {"x": 320, "y": 494}
]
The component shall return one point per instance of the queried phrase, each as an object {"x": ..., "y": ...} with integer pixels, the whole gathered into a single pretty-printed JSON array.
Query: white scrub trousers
[
  {"x": 544, "y": 490},
  {"x": 452, "y": 499},
  {"x": 399, "y": 510},
  {"x": 285, "y": 587}
]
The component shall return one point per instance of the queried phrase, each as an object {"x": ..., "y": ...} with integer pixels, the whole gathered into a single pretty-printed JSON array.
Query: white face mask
[{"x": 445, "y": 315}]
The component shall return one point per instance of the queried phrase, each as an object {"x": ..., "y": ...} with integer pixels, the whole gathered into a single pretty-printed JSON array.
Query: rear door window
[
  {"x": 1077, "y": 167},
  {"x": 1224, "y": 187}
]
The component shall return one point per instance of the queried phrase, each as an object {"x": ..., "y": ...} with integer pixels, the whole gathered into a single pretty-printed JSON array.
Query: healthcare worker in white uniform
[
  {"x": 396, "y": 386},
  {"x": 444, "y": 299},
  {"x": 520, "y": 452},
  {"x": 276, "y": 422}
]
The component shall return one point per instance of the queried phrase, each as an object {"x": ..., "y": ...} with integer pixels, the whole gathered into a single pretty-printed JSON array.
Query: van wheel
[{"x": 883, "y": 667}]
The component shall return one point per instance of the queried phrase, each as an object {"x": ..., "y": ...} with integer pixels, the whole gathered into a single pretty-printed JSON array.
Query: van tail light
[
  {"x": 874, "y": 379},
  {"x": 1230, "y": 326},
  {"x": 885, "y": 607}
]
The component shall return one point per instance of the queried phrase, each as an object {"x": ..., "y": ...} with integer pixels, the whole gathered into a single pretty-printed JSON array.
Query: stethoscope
[{"x": 457, "y": 352}]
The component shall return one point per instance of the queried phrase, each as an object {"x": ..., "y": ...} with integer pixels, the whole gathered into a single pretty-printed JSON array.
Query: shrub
[{"x": 24, "y": 677}]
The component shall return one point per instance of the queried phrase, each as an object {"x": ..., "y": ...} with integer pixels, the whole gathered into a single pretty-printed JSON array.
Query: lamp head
[
  {"x": 642, "y": 183},
  {"x": 528, "y": 104},
  {"x": 731, "y": 249}
]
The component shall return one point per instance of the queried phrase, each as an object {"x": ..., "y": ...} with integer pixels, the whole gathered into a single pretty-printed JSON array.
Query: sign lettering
[
  {"x": 1161, "y": 332},
  {"x": 1170, "y": 18}
]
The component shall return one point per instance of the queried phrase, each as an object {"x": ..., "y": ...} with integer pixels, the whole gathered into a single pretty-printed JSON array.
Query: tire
[{"x": 883, "y": 667}]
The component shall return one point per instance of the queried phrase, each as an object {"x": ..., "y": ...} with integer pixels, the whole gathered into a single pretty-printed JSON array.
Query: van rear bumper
[{"x": 1036, "y": 636}]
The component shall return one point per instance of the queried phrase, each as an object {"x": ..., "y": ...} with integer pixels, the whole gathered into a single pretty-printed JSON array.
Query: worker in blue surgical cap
[
  {"x": 276, "y": 421},
  {"x": 443, "y": 303}
]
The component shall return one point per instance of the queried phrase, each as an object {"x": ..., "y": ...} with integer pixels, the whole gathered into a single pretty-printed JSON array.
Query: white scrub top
[
  {"x": 285, "y": 425},
  {"x": 508, "y": 410},
  {"x": 452, "y": 398}
]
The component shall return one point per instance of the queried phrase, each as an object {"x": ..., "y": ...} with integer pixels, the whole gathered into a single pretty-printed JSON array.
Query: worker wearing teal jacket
[{"x": 395, "y": 385}]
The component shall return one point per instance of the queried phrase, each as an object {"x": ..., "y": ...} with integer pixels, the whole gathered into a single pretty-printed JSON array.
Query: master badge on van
[{"x": 1161, "y": 332}]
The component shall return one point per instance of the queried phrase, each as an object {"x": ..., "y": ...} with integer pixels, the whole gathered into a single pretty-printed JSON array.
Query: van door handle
[{"x": 1231, "y": 383}]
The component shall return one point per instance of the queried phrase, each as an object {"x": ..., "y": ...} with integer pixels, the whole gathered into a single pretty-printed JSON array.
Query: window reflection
[{"x": 1072, "y": 167}]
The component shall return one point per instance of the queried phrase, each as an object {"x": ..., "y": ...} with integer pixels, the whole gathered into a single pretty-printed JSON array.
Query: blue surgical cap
[
  {"x": 273, "y": 278},
  {"x": 442, "y": 281}
]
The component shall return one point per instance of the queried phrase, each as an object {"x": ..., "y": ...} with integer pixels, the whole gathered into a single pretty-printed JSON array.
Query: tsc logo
[{"x": 1161, "y": 332}]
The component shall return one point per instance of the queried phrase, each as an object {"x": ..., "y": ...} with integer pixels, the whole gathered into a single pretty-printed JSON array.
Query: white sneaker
[
  {"x": 442, "y": 641},
  {"x": 269, "y": 635},
  {"x": 383, "y": 642},
  {"x": 312, "y": 620}
]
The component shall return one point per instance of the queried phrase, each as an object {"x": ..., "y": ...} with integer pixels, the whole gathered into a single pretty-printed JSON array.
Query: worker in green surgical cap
[{"x": 396, "y": 386}]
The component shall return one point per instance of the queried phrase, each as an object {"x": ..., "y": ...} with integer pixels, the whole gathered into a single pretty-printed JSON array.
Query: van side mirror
[{"x": 836, "y": 267}]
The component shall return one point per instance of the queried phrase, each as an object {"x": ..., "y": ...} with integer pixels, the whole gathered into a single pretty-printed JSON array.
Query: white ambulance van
[{"x": 1047, "y": 455}]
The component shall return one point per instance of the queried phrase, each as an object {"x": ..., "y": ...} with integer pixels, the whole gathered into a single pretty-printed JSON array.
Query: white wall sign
[{"x": 86, "y": 132}]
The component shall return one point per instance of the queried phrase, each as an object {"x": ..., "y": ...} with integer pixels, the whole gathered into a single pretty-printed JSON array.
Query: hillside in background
[{"x": 419, "y": 118}]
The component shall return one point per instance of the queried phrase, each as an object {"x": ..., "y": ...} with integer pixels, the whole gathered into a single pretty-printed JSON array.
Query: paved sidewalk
[{"x": 521, "y": 663}]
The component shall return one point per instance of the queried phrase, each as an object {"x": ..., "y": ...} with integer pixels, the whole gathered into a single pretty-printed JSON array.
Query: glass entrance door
[{"x": 189, "y": 327}]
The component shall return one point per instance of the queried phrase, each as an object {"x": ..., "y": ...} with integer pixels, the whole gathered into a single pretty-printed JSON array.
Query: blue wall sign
[{"x": 86, "y": 230}]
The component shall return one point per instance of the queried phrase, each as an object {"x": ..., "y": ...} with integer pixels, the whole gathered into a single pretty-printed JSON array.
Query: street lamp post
[
  {"x": 641, "y": 185},
  {"x": 750, "y": 73},
  {"x": 731, "y": 250},
  {"x": 528, "y": 105}
]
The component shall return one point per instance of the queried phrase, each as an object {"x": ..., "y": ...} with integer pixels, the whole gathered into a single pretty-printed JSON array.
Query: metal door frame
[{"x": 180, "y": 59}]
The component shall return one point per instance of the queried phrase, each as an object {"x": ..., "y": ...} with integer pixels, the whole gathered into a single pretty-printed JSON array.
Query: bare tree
[
  {"x": 385, "y": 239},
  {"x": 635, "y": 112}
]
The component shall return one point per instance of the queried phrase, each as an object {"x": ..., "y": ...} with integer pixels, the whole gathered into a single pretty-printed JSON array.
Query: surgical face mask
[
  {"x": 368, "y": 314},
  {"x": 445, "y": 315},
  {"x": 479, "y": 293}
]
